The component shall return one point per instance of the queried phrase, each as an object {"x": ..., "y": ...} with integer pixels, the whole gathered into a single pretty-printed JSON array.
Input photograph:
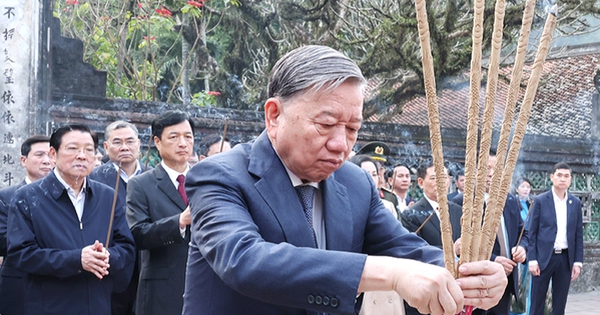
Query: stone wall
[{"x": 589, "y": 280}]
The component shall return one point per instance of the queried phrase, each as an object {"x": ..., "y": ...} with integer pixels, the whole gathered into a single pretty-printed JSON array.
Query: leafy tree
[{"x": 230, "y": 46}]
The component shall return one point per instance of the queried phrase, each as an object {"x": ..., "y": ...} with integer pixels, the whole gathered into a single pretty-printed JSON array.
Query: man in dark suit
[
  {"x": 57, "y": 224},
  {"x": 556, "y": 242},
  {"x": 425, "y": 214},
  {"x": 459, "y": 181},
  {"x": 37, "y": 164},
  {"x": 159, "y": 216},
  {"x": 122, "y": 147},
  {"x": 506, "y": 251},
  {"x": 282, "y": 225},
  {"x": 212, "y": 144},
  {"x": 399, "y": 180}
]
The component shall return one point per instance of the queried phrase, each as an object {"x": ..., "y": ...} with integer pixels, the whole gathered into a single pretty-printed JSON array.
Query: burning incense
[
  {"x": 471, "y": 147},
  {"x": 435, "y": 135},
  {"x": 534, "y": 80}
]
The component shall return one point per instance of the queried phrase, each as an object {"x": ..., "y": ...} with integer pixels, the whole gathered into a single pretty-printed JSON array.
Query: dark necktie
[
  {"x": 181, "y": 188},
  {"x": 307, "y": 195}
]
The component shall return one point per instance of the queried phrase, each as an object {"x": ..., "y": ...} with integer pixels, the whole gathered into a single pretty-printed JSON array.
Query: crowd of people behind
[{"x": 279, "y": 225}]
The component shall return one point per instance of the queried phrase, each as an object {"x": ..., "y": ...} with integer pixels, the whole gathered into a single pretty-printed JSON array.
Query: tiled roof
[{"x": 562, "y": 106}]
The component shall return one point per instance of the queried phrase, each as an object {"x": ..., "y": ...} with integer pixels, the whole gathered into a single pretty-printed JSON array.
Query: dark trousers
[{"x": 559, "y": 271}]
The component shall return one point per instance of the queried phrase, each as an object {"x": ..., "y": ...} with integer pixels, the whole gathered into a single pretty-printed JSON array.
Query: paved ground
[{"x": 583, "y": 303}]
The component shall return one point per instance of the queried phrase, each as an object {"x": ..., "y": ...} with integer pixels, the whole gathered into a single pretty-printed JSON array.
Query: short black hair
[
  {"x": 207, "y": 141},
  {"x": 359, "y": 159},
  {"x": 459, "y": 174},
  {"x": 390, "y": 172},
  {"x": 57, "y": 135},
  {"x": 422, "y": 169},
  {"x": 169, "y": 118},
  {"x": 561, "y": 166},
  {"x": 26, "y": 145}
]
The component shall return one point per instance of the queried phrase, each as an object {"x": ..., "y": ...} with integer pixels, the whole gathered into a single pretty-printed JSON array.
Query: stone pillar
[{"x": 19, "y": 88}]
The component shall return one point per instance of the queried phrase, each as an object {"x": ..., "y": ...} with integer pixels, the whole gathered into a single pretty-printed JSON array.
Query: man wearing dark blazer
[
  {"x": 37, "y": 164},
  {"x": 424, "y": 215},
  {"x": 159, "y": 216},
  {"x": 556, "y": 242},
  {"x": 59, "y": 227},
  {"x": 399, "y": 181},
  {"x": 122, "y": 147},
  {"x": 459, "y": 180},
  {"x": 282, "y": 225}
]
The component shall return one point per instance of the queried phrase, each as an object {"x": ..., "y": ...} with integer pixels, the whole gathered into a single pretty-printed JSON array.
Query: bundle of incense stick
[{"x": 478, "y": 240}]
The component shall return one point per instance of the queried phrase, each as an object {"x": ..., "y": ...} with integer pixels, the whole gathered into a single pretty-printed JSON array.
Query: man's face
[
  {"x": 371, "y": 169},
  {"x": 561, "y": 179},
  {"x": 37, "y": 163},
  {"x": 490, "y": 173},
  {"x": 314, "y": 133},
  {"x": 75, "y": 158},
  {"x": 428, "y": 183},
  {"x": 176, "y": 144},
  {"x": 216, "y": 148},
  {"x": 122, "y": 146},
  {"x": 401, "y": 179},
  {"x": 460, "y": 182}
]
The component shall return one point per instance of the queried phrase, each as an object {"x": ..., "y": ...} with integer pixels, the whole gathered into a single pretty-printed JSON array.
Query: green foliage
[
  {"x": 203, "y": 99},
  {"x": 177, "y": 50}
]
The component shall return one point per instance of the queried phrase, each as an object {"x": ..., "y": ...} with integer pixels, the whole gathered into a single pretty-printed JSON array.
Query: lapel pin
[{"x": 570, "y": 201}]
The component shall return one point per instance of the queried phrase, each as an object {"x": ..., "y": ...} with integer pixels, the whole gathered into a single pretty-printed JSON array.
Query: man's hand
[
  {"x": 519, "y": 254},
  {"x": 438, "y": 292},
  {"x": 185, "y": 218},
  {"x": 94, "y": 258},
  {"x": 482, "y": 283},
  {"x": 535, "y": 270},
  {"x": 507, "y": 264},
  {"x": 457, "y": 247},
  {"x": 575, "y": 272}
]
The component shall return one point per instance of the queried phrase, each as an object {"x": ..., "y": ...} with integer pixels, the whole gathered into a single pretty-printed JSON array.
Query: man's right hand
[
  {"x": 507, "y": 264},
  {"x": 185, "y": 218}
]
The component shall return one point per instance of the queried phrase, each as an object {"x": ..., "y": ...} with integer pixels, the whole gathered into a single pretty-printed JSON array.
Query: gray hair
[
  {"x": 118, "y": 125},
  {"x": 312, "y": 68}
]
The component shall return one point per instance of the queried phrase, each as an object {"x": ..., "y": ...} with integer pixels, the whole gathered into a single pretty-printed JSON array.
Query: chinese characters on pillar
[{"x": 15, "y": 34}]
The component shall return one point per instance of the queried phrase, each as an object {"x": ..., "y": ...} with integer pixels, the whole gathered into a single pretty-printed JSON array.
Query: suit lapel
[
  {"x": 166, "y": 186},
  {"x": 277, "y": 191},
  {"x": 552, "y": 209},
  {"x": 571, "y": 215}
]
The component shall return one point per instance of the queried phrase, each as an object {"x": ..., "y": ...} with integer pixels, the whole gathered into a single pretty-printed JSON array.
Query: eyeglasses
[
  {"x": 74, "y": 150},
  {"x": 118, "y": 143}
]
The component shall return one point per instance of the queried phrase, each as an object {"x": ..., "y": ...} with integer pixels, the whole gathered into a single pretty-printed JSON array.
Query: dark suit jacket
[
  {"x": 12, "y": 287},
  {"x": 542, "y": 229},
  {"x": 153, "y": 209},
  {"x": 252, "y": 252},
  {"x": 413, "y": 218},
  {"x": 452, "y": 195},
  {"x": 514, "y": 225},
  {"x": 46, "y": 238},
  {"x": 107, "y": 174}
]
